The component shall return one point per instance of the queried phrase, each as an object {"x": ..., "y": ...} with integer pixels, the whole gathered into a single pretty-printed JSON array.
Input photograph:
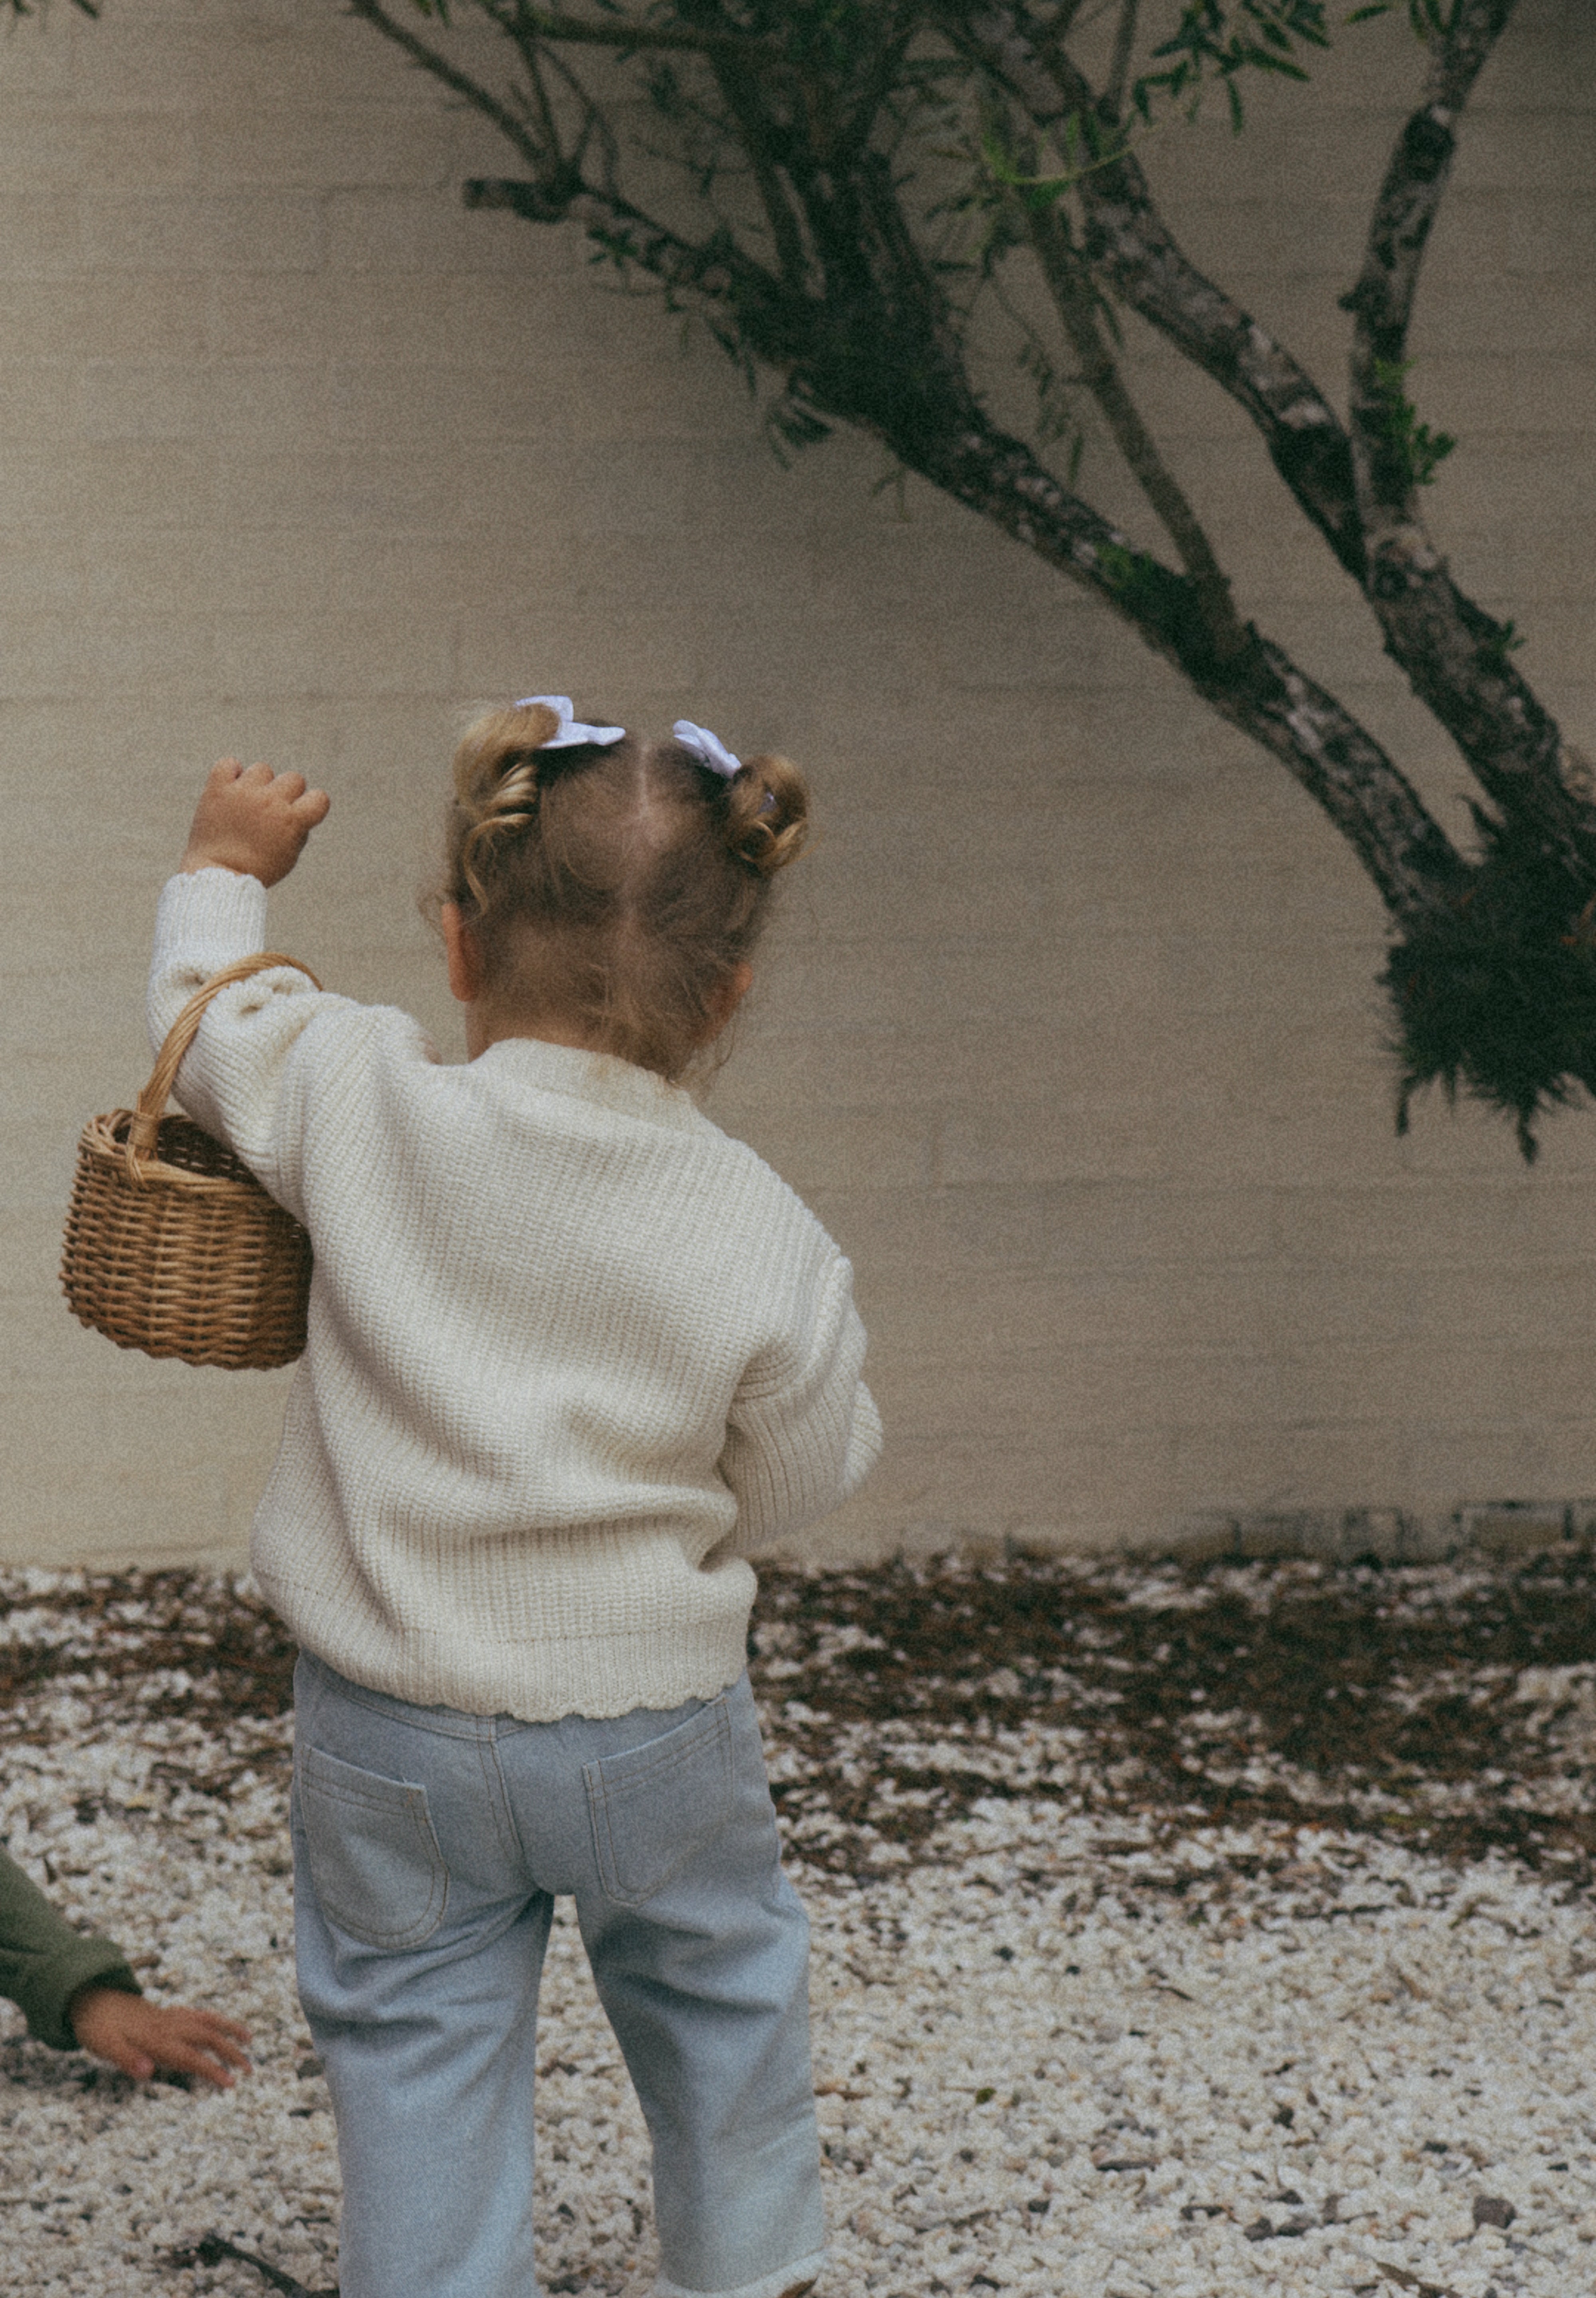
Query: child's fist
[
  {"x": 251, "y": 819},
  {"x": 139, "y": 2036}
]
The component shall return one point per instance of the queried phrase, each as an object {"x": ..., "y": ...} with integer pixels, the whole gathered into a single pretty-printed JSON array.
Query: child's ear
[
  {"x": 729, "y": 997},
  {"x": 464, "y": 953}
]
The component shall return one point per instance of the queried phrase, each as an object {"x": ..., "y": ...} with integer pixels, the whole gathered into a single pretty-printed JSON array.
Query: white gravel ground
[{"x": 1089, "y": 2053}]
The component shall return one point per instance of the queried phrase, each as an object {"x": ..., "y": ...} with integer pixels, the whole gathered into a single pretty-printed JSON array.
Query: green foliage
[
  {"x": 1057, "y": 418},
  {"x": 1250, "y": 35},
  {"x": 1506, "y": 640},
  {"x": 1420, "y": 449},
  {"x": 1430, "y": 18},
  {"x": 1089, "y": 143},
  {"x": 1119, "y": 566},
  {"x": 1496, "y": 991}
]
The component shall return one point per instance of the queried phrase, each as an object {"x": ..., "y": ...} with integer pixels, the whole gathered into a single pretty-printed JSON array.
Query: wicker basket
[{"x": 172, "y": 1246}]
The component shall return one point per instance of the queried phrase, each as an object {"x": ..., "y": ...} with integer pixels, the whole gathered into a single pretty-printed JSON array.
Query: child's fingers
[
  {"x": 308, "y": 806},
  {"x": 289, "y": 790},
  {"x": 195, "y": 2043},
  {"x": 190, "y": 2059},
  {"x": 223, "y": 2036},
  {"x": 209, "y": 2066}
]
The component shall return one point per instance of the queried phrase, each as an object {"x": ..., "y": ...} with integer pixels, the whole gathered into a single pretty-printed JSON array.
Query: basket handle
[{"x": 144, "y": 1132}]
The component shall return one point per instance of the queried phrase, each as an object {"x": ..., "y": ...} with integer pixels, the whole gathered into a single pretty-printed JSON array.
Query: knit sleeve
[
  {"x": 235, "y": 1079},
  {"x": 45, "y": 1962},
  {"x": 802, "y": 1435}
]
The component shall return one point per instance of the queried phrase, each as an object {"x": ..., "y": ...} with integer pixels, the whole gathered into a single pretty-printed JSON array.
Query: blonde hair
[{"x": 616, "y": 888}]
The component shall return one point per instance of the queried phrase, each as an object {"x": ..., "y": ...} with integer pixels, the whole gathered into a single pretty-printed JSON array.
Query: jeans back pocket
[
  {"x": 375, "y": 1861},
  {"x": 653, "y": 1808}
]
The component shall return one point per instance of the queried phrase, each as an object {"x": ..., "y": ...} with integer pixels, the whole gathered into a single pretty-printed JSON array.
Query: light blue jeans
[{"x": 428, "y": 1846}]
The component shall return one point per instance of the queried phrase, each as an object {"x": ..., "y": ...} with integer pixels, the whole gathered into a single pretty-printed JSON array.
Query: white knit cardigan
[{"x": 573, "y": 1353}]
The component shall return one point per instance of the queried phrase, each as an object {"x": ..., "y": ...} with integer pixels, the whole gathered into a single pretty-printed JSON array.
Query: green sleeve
[{"x": 44, "y": 1961}]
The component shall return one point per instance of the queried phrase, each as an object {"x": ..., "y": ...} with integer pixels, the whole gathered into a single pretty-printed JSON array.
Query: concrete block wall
[{"x": 1069, "y": 1028}]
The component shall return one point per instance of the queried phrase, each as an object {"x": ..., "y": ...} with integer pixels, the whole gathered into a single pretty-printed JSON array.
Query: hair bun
[
  {"x": 767, "y": 814},
  {"x": 495, "y": 744},
  {"x": 496, "y": 781}
]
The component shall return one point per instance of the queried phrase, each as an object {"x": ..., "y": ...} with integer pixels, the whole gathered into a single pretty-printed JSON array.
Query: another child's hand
[
  {"x": 139, "y": 2036},
  {"x": 251, "y": 819}
]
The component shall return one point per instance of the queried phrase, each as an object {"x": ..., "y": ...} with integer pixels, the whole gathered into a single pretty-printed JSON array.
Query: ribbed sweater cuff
[{"x": 221, "y": 906}]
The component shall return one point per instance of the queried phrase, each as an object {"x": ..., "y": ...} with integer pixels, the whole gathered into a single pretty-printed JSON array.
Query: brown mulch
[
  {"x": 1386, "y": 1702},
  {"x": 1376, "y": 1700}
]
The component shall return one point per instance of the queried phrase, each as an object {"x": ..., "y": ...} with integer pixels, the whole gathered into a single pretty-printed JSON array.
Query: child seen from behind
[{"x": 573, "y": 1357}]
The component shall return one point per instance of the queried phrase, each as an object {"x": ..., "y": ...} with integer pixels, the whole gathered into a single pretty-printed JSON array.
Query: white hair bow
[
  {"x": 708, "y": 747},
  {"x": 571, "y": 729}
]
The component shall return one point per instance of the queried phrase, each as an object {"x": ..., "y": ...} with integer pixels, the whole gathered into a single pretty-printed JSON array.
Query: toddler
[{"x": 573, "y": 1357}]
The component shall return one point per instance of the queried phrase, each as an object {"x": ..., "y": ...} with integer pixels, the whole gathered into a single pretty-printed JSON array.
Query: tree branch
[
  {"x": 507, "y": 15},
  {"x": 1119, "y": 70},
  {"x": 1261, "y": 692},
  {"x": 630, "y": 39},
  {"x": 715, "y": 280},
  {"x": 459, "y": 83},
  {"x": 1382, "y": 303},
  {"x": 1072, "y": 295},
  {"x": 879, "y": 84},
  {"x": 739, "y": 88},
  {"x": 1455, "y": 654},
  {"x": 1129, "y": 247}
]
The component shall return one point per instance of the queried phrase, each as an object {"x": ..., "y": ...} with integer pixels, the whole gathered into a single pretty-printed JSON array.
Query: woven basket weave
[{"x": 172, "y": 1246}]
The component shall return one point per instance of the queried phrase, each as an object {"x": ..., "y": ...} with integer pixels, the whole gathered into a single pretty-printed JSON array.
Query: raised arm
[{"x": 249, "y": 829}]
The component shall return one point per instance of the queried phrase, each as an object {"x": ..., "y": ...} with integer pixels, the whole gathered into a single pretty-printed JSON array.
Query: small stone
[
  {"x": 1263, "y": 2230},
  {"x": 1494, "y": 2210}
]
